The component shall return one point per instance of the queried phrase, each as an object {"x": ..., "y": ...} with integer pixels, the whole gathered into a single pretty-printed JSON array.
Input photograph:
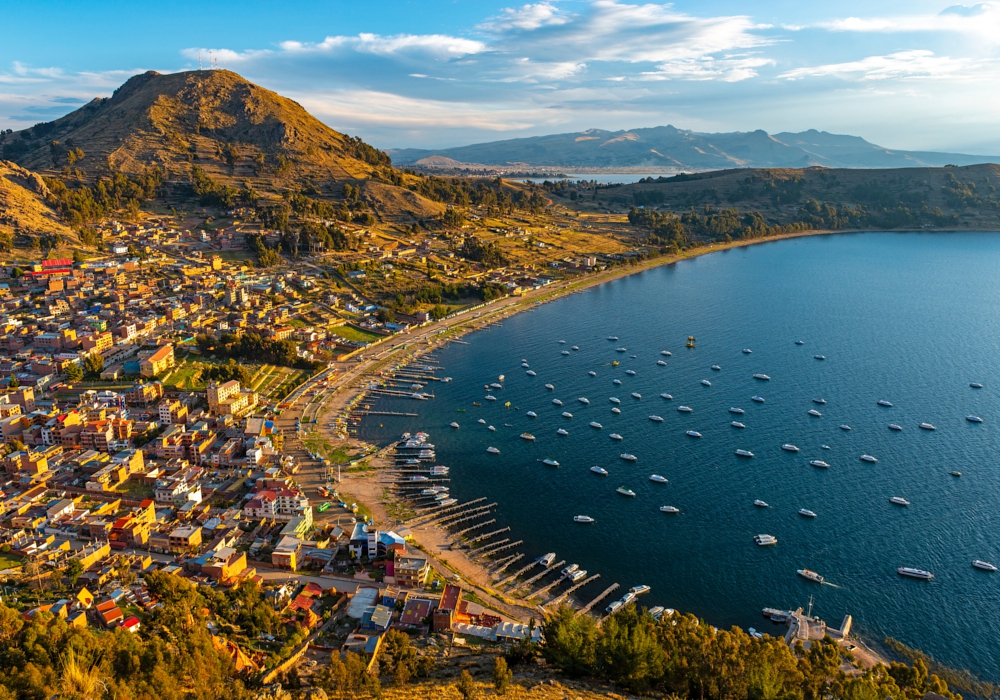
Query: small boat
[
  {"x": 819, "y": 463},
  {"x": 665, "y": 352},
  {"x": 636, "y": 395},
  {"x": 592, "y": 373},
  {"x": 565, "y": 352},
  {"x": 656, "y": 419},
  {"x": 550, "y": 462},
  {"x": 747, "y": 351},
  {"x": 619, "y": 349},
  {"x": 550, "y": 387},
  {"x": 639, "y": 590},
  {"x": 758, "y": 399},
  {"x": 493, "y": 450},
  {"x": 661, "y": 363},
  {"x": 628, "y": 457},
  {"x": 705, "y": 382},
  {"x": 576, "y": 347},
  {"x": 595, "y": 424},
  {"x": 616, "y": 381},
  {"x": 693, "y": 433},
  {"x": 868, "y": 458},
  {"x": 976, "y": 385},
  {"x": 615, "y": 410},
  {"x": 899, "y": 501},
  {"x": 883, "y": 402},
  {"x": 669, "y": 509},
  {"x": 497, "y": 385},
  {"x": 481, "y": 421},
  {"x": 819, "y": 357},
  {"x": 737, "y": 411},
  {"x": 454, "y": 425},
  {"x": 531, "y": 414},
  {"x": 490, "y": 397},
  {"x": 531, "y": 373},
  {"x": 547, "y": 559},
  {"x": 737, "y": 424},
  {"x": 845, "y": 427},
  {"x": 524, "y": 364},
  {"x": 625, "y": 492},
  {"x": 685, "y": 409},
  {"x": 765, "y": 540},
  {"x": 562, "y": 342},
  {"x": 955, "y": 473},
  {"x": 599, "y": 470},
  {"x": 761, "y": 504},
  {"x": 476, "y": 403},
  {"x": 567, "y": 414},
  {"x": 582, "y": 519},
  {"x": 805, "y": 512},
  {"x": 810, "y": 575},
  {"x": 974, "y": 419},
  {"x": 814, "y": 413},
  {"x": 630, "y": 372},
  {"x": 615, "y": 363},
  {"x": 915, "y": 573},
  {"x": 612, "y": 337},
  {"x": 448, "y": 502},
  {"x": 658, "y": 479},
  {"x": 820, "y": 401},
  {"x": 800, "y": 342},
  {"x": 490, "y": 427},
  {"x": 614, "y": 607},
  {"x": 584, "y": 400},
  {"x": 557, "y": 402},
  {"x": 984, "y": 565},
  {"x": 615, "y": 436},
  {"x": 788, "y": 447},
  {"x": 926, "y": 426},
  {"x": 716, "y": 368},
  {"x": 528, "y": 436},
  {"x": 668, "y": 397},
  {"x": 894, "y": 426},
  {"x": 614, "y": 399},
  {"x": 744, "y": 453},
  {"x": 762, "y": 377}
]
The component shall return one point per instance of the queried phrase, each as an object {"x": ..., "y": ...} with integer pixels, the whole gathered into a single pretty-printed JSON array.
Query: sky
[{"x": 916, "y": 75}]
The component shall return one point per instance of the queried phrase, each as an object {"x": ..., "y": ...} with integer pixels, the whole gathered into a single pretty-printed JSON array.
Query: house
[
  {"x": 130, "y": 624},
  {"x": 358, "y": 544},
  {"x": 444, "y": 616},
  {"x": 411, "y": 571},
  {"x": 416, "y": 613},
  {"x": 376, "y": 618},
  {"x": 184, "y": 539},
  {"x": 158, "y": 362}
]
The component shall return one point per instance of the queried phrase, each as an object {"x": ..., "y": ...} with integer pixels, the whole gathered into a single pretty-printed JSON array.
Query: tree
[
  {"x": 439, "y": 311},
  {"x": 502, "y": 676},
  {"x": 467, "y": 687},
  {"x": 93, "y": 364},
  {"x": 385, "y": 315},
  {"x": 73, "y": 571},
  {"x": 12, "y": 383},
  {"x": 452, "y": 218},
  {"x": 74, "y": 372}
]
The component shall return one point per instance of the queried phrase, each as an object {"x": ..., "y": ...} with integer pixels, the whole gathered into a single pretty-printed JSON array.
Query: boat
[
  {"x": 497, "y": 385},
  {"x": 625, "y": 492},
  {"x": 599, "y": 470},
  {"x": 524, "y": 364},
  {"x": 531, "y": 414},
  {"x": 630, "y": 372},
  {"x": 666, "y": 396},
  {"x": 685, "y": 409},
  {"x": 765, "y": 540},
  {"x": 636, "y": 395},
  {"x": 814, "y": 413},
  {"x": 894, "y": 426},
  {"x": 616, "y": 381},
  {"x": 984, "y": 565},
  {"x": 528, "y": 436},
  {"x": 761, "y": 504},
  {"x": 612, "y": 337},
  {"x": 615, "y": 436},
  {"x": 490, "y": 427},
  {"x": 493, "y": 450},
  {"x": 883, "y": 402},
  {"x": 448, "y": 502},
  {"x": 614, "y": 399},
  {"x": 550, "y": 462},
  {"x": 614, "y": 607},
  {"x": 592, "y": 373},
  {"x": 565, "y": 352},
  {"x": 570, "y": 569},
  {"x": 658, "y": 479},
  {"x": 639, "y": 590},
  {"x": 567, "y": 414},
  {"x": 819, "y": 357},
  {"x": 737, "y": 424},
  {"x": 481, "y": 421},
  {"x": 744, "y": 453},
  {"x": 914, "y": 573},
  {"x": 747, "y": 351},
  {"x": 615, "y": 363},
  {"x": 557, "y": 402},
  {"x": 476, "y": 403},
  {"x": 595, "y": 424},
  {"x": 656, "y": 419},
  {"x": 705, "y": 382},
  {"x": 661, "y": 363},
  {"x": 665, "y": 352},
  {"x": 899, "y": 501},
  {"x": 550, "y": 387},
  {"x": 615, "y": 410},
  {"x": 787, "y": 447},
  {"x": 716, "y": 368},
  {"x": 578, "y": 575},
  {"x": 868, "y": 458},
  {"x": 954, "y": 473},
  {"x": 800, "y": 342},
  {"x": 531, "y": 373},
  {"x": 657, "y": 612},
  {"x": 628, "y": 457},
  {"x": 845, "y": 427},
  {"x": 806, "y": 513},
  {"x": 762, "y": 377},
  {"x": 976, "y": 385},
  {"x": 757, "y": 399},
  {"x": 927, "y": 426},
  {"x": 582, "y": 519},
  {"x": 810, "y": 575},
  {"x": 669, "y": 509},
  {"x": 584, "y": 400},
  {"x": 754, "y": 633},
  {"x": 820, "y": 401},
  {"x": 619, "y": 349},
  {"x": 547, "y": 559},
  {"x": 454, "y": 425},
  {"x": 562, "y": 342},
  {"x": 974, "y": 419},
  {"x": 490, "y": 397},
  {"x": 737, "y": 411},
  {"x": 693, "y": 433},
  {"x": 575, "y": 347},
  {"x": 819, "y": 463},
  {"x": 562, "y": 431}
]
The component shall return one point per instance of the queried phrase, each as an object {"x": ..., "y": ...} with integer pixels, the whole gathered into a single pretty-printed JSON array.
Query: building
[
  {"x": 184, "y": 539},
  {"x": 411, "y": 571},
  {"x": 236, "y": 295},
  {"x": 158, "y": 362},
  {"x": 172, "y": 411},
  {"x": 444, "y": 616},
  {"x": 229, "y": 398}
]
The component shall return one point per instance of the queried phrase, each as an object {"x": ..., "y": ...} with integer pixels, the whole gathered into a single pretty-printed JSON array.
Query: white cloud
[
  {"x": 904, "y": 65},
  {"x": 728, "y": 69},
  {"x": 981, "y": 20},
  {"x": 526, "y": 17}
]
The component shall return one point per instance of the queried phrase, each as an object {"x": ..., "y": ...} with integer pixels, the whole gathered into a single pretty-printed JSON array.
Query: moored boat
[
  {"x": 974, "y": 419},
  {"x": 592, "y": 373},
  {"x": 744, "y": 453},
  {"x": 595, "y": 424},
  {"x": 761, "y": 504},
  {"x": 899, "y": 501},
  {"x": 550, "y": 462},
  {"x": 984, "y": 565},
  {"x": 868, "y": 458},
  {"x": 810, "y": 575},
  {"x": 625, "y": 492},
  {"x": 684, "y": 409},
  {"x": 787, "y": 447},
  {"x": 656, "y": 419},
  {"x": 628, "y": 457},
  {"x": 927, "y": 426},
  {"x": 757, "y": 399},
  {"x": 658, "y": 479},
  {"x": 550, "y": 387},
  {"x": 765, "y": 540},
  {"x": 531, "y": 414},
  {"x": 562, "y": 431},
  {"x": 599, "y": 470},
  {"x": 814, "y": 413},
  {"x": 805, "y": 512},
  {"x": 883, "y": 402},
  {"x": 819, "y": 463},
  {"x": 762, "y": 377},
  {"x": 528, "y": 436},
  {"x": 493, "y": 450},
  {"x": 454, "y": 425},
  {"x": 615, "y": 436},
  {"x": 705, "y": 382},
  {"x": 582, "y": 519},
  {"x": 636, "y": 395},
  {"x": 737, "y": 424},
  {"x": 584, "y": 400},
  {"x": 693, "y": 433},
  {"x": 666, "y": 396},
  {"x": 915, "y": 573},
  {"x": 531, "y": 373},
  {"x": 669, "y": 509},
  {"x": 737, "y": 411}
]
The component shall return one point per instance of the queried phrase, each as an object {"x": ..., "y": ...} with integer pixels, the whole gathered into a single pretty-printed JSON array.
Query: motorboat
[
  {"x": 685, "y": 409},
  {"x": 787, "y": 447},
  {"x": 565, "y": 352},
  {"x": 496, "y": 385},
  {"x": 567, "y": 414},
  {"x": 493, "y": 450},
  {"x": 454, "y": 425},
  {"x": 614, "y": 607},
  {"x": 547, "y": 559},
  {"x": 757, "y": 399},
  {"x": 914, "y": 573},
  {"x": 528, "y": 436},
  {"x": 557, "y": 402},
  {"x": 592, "y": 373},
  {"x": 810, "y": 575},
  {"x": 577, "y": 575},
  {"x": 819, "y": 463},
  {"x": 639, "y": 590},
  {"x": 868, "y": 458},
  {"x": 481, "y": 421},
  {"x": 974, "y": 419},
  {"x": 669, "y": 509},
  {"x": 562, "y": 431},
  {"x": 656, "y": 419},
  {"x": 894, "y": 426},
  {"x": 976, "y": 385},
  {"x": 616, "y": 382},
  {"x": 658, "y": 479},
  {"x": 570, "y": 569},
  {"x": 899, "y": 501},
  {"x": 819, "y": 357},
  {"x": 762, "y": 377},
  {"x": 883, "y": 402},
  {"x": 737, "y": 411},
  {"x": 595, "y": 424},
  {"x": 448, "y": 502},
  {"x": 716, "y": 368},
  {"x": 562, "y": 342},
  {"x": 628, "y": 457},
  {"x": 814, "y": 413},
  {"x": 614, "y": 399},
  {"x": 612, "y": 337},
  {"x": 765, "y": 540},
  {"x": 661, "y": 363},
  {"x": 491, "y": 428},
  {"x": 524, "y": 363},
  {"x": 693, "y": 433},
  {"x": 584, "y": 400},
  {"x": 615, "y": 410},
  {"x": 630, "y": 372},
  {"x": 744, "y": 453},
  {"x": 927, "y": 426},
  {"x": 582, "y": 519},
  {"x": 800, "y": 342},
  {"x": 737, "y": 424},
  {"x": 615, "y": 363},
  {"x": 747, "y": 351},
  {"x": 550, "y": 462},
  {"x": 955, "y": 473},
  {"x": 625, "y": 492},
  {"x": 805, "y": 512},
  {"x": 658, "y": 611},
  {"x": 550, "y": 387},
  {"x": 636, "y": 395},
  {"x": 761, "y": 504},
  {"x": 984, "y": 565},
  {"x": 619, "y": 349},
  {"x": 665, "y": 352},
  {"x": 845, "y": 427},
  {"x": 575, "y": 347},
  {"x": 490, "y": 397},
  {"x": 531, "y": 373},
  {"x": 599, "y": 470},
  {"x": 666, "y": 396},
  {"x": 820, "y": 401},
  {"x": 615, "y": 436},
  {"x": 531, "y": 414},
  {"x": 705, "y": 382}
]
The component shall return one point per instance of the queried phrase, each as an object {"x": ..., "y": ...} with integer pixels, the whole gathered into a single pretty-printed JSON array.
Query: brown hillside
[{"x": 23, "y": 207}]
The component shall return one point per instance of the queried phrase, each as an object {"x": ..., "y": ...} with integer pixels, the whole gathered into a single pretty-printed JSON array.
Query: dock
[
  {"x": 548, "y": 570},
  {"x": 474, "y": 527},
  {"x": 488, "y": 535},
  {"x": 506, "y": 562},
  {"x": 604, "y": 594},
  {"x": 517, "y": 573},
  {"x": 548, "y": 587},
  {"x": 492, "y": 549},
  {"x": 569, "y": 591}
]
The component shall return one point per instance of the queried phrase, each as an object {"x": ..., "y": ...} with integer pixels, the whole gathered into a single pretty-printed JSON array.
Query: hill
[
  {"x": 670, "y": 147},
  {"x": 24, "y": 207}
]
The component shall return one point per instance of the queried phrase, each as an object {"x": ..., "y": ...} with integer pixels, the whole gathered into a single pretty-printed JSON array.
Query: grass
[
  {"x": 363, "y": 510},
  {"x": 9, "y": 561},
  {"x": 235, "y": 255},
  {"x": 354, "y": 334},
  {"x": 185, "y": 377},
  {"x": 137, "y": 489}
]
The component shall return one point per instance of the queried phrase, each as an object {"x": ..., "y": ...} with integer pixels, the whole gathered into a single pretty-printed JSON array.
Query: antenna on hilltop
[{"x": 199, "y": 59}]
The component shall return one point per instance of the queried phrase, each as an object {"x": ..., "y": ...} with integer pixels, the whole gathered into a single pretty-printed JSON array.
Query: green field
[
  {"x": 358, "y": 336},
  {"x": 235, "y": 255},
  {"x": 9, "y": 561}
]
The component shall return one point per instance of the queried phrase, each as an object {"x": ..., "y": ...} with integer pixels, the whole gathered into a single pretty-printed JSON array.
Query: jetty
[
  {"x": 569, "y": 591},
  {"x": 507, "y": 561},
  {"x": 534, "y": 578},
  {"x": 603, "y": 594},
  {"x": 488, "y": 535},
  {"x": 518, "y": 573},
  {"x": 459, "y": 534},
  {"x": 492, "y": 549}
]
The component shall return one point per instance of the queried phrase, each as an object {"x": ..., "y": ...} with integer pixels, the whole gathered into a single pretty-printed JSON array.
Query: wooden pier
[
  {"x": 507, "y": 561},
  {"x": 446, "y": 513},
  {"x": 488, "y": 535},
  {"x": 497, "y": 547},
  {"x": 474, "y": 527},
  {"x": 569, "y": 591},
  {"x": 517, "y": 573},
  {"x": 545, "y": 589},
  {"x": 467, "y": 518},
  {"x": 548, "y": 570},
  {"x": 384, "y": 413},
  {"x": 604, "y": 594},
  {"x": 478, "y": 509}
]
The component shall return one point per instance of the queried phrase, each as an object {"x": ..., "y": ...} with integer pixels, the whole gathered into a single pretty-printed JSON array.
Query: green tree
[
  {"x": 73, "y": 571},
  {"x": 12, "y": 383},
  {"x": 385, "y": 315},
  {"x": 439, "y": 311},
  {"x": 502, "y": 675},
  {"x": 467, "y": 687},
  {"x": 452, "y": 218},
  {"x": 93, "y": 364},
  {"x": 74, "y": 372}
]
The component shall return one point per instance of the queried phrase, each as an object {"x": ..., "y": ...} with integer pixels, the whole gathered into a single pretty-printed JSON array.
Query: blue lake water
[{"x": 909, "y": 318}]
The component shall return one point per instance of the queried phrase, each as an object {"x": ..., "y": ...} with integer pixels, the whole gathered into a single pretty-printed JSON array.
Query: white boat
[
  {"x": 814, "y": 413},
  {"x": 630, "y": 372},
  {"x": 562, "y": 342},
  {"x": 820, "y": 401},
  {"x": 984, "y": 565},
  {"x": 810, "y": 575},
  {"x": 614, "y": 607},
  {"x": 565, "y": 352},
  {"x": 531, "y": 414},
  {"x": 661, "y": 363},
  {"x": 615, "y": 436},
  {"x": 705, "y": 382},
  {"x": 612, "y": 337},
  {"x": 737, "y": 424},
  {"x": 744, "y": 453},
  {"x": 490, "y": 397},
  {"x": 454, "y": 425},
  {"x": 684, "y": 409},
  {"x": 883, "y": 402},
  {"x": 845, "y": 427},
  {"x": 592, "y": 373},
  {"x": 481, "y": 421},
  {"x": 656, "y": 419},
  {"x": 761, "y": 504},
  {"x": 628, "y": 457},
  {"x": 615, "y": 410},
  {"x": 665, "y": 352},
  {"x": 582, "y": 519},
  {"x": 640, "y": 590},
  {"x": 493, "y": 450},
  {"x": 765, "y": 540},
  {"x": 599, "y": 470},
  {"x": 787, "y": 447},
  {"x": 666, "y": 396},
  {"x": 819, "y": 463},
  {"x": 547, "y": 559},
  {"x": 757, "y": 399},
  {"x": 805, "y": 512},
  {"x": 619, "y": 349},
  {"x": 976, "y": 385},
  {"x": 575, "y": 347},
  {"x": 657, "y": 612},
  {"x": 800, "y": 342},
  {"x": 737, "y": 411},
  {"x": 669, "y": 509},
  {"x": 614, "y": 399},
  {"x": 658, "y": 479},
  {"x": 636, "y": 395},
  {"x": 894, "y": 426},
  {"x": 715, "y": 367},
  {"x": 914, "y": 573},
  {"x": 497, "y": 385},
  {"x": 531, "y": 373},
  {"x": 926, "y": 426},
  {"x": 570, "y": 569},
  {"x": 448, "y": 502},
  {"x": 954, "y": 473},
  {"x": 525, "y": 364},
  {"x": 567, "y": 414},
  {"x": 693, "y": 433},
  {"x": 550, "y": 462},
  {"x": 528, "y": 436},
  {"x": 595, "y": 424},
  {"x": 747, "y": 351},
  {"x": 868, "y": 458},
  {"x": 584, "y": 400},
  {"x": 974, "y": 419},
  {"x": 899, "y": 501},
  {"x": 616, "y": 381},
  {"x": 557, "y": 402},
  {"x": 819, "y": 357},
  {"x": 762, "y": 377},
  {"x": 550, "y": 387},
  {"x": 490, "y": 427},
  {"x": 562, "y": 431},
  {"x": 625, "y": 492}
]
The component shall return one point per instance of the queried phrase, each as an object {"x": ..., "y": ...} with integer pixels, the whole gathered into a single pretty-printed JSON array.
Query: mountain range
[{"x": 670, "y": 147}]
